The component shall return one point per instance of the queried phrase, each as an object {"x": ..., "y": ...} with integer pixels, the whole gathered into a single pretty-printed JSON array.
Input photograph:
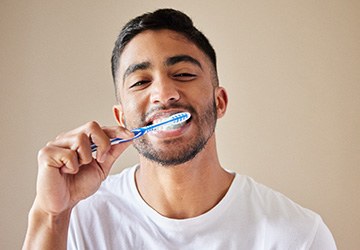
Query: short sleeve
[{"x": 323, "y": 238}]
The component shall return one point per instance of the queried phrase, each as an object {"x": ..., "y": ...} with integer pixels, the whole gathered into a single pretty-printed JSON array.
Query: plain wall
[{"x": 291, "y": 68}]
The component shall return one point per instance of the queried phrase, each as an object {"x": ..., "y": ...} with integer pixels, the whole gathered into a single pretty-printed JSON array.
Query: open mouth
[
  {"x": 168, "y": 126},
  {"x": 171, "y": 126}
]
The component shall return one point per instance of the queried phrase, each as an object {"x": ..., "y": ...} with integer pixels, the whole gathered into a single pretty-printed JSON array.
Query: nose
[{"x": 164, "y": 92}]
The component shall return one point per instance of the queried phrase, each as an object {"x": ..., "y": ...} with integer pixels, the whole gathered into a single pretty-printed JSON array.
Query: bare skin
[
  {"x": 194, "y": 187},
  {"x": 184, "y": 192},
  {"x": 68, "y": 173}
]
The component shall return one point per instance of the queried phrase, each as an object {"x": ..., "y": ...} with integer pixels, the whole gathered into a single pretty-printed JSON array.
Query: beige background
[{"x": 291, "y": 69}]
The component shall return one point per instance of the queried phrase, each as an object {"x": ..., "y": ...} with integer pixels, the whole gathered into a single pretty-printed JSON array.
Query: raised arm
[{"x": 68, "y": 173}]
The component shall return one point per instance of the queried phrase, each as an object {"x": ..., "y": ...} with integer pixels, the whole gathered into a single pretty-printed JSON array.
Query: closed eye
[{"x": 184, "y": 76}]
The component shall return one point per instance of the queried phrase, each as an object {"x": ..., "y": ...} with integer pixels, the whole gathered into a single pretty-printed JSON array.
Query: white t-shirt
[{"x": 250, "y": 216}]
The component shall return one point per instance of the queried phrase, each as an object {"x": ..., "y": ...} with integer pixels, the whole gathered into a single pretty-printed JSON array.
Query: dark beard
[{"x": 187, "y": 151}]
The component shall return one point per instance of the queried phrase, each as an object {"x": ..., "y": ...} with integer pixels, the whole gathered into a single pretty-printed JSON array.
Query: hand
[{"x": 68, "y": 172}]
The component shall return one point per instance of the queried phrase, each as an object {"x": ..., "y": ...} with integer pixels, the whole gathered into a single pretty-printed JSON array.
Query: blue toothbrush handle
[
  {"x": 176, "y": 118},
  {"x": 137, "y": 133}
]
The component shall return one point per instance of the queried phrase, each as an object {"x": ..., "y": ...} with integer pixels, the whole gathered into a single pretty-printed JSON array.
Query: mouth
[
  {"x": 161, "y": 117},
  {"x": 169, "y": 126}
]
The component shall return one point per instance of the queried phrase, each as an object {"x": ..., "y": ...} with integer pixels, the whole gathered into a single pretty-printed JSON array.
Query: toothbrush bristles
[{"x": 173, "y": 121}]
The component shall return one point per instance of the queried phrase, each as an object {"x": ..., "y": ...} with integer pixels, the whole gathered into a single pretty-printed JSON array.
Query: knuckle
[
  {"x": 70, "y": 155},
  {"x": 92, "y": 125},
  {"x": 44, "y": 152},
  {"x": 59, "y": 136},
  {"x": 81, "y": 138}
]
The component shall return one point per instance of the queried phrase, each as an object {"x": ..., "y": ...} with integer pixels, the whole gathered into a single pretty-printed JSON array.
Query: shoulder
[
  {"x": 280, "y": 217},
  {"x": 271, "y": 202}
]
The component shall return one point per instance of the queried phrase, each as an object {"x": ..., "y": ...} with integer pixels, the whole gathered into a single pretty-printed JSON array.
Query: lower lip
[{"x": 171, "y": 133}]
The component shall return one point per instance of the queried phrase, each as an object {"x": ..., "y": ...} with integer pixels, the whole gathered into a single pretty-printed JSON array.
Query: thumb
[{"x": 112, "y": 155}]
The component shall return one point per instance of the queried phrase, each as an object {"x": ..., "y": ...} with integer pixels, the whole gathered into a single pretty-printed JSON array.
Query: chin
[{"x": 171, "y": 152}]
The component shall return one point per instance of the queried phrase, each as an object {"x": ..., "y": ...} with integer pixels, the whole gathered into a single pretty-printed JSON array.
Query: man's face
[{"x": 162, "y": 73}]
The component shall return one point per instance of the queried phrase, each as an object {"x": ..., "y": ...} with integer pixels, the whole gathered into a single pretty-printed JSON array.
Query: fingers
[
  {"x": 116, "y": 150},
  {"x": 112, "y": 155},
  {"x": 64, "y": 159},
  {"x": 73, "y": 149},
  {"x": 83, "y": 136},
  {"x": 79, "y": 143},
  {"x": 117, "y": 132},
  {"x": 68, "y": 171},
  {"x": 80, "y": 140},
  {"x": 112, "y": 132}
]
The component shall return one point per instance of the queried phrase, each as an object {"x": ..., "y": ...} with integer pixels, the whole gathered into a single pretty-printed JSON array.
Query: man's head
[
  {"x": 161, "y": 19},
  {"x": 161, "y": 71}
]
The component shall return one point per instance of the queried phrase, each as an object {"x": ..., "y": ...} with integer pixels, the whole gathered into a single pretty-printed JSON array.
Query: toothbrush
[{"x": 171, "y": 120}]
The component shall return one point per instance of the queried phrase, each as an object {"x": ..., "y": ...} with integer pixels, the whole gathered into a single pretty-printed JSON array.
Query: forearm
[{"x": 47, "y": 231}]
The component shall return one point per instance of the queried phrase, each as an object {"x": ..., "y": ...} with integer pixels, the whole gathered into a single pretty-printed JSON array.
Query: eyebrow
[
  {"x": 169, "y": 62},
  {"x": 182, "y": 58},
  {"x": 135, "y": 67}
]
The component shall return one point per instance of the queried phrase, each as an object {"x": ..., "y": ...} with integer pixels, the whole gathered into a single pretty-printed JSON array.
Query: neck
[{"x": 186, "y": 190}]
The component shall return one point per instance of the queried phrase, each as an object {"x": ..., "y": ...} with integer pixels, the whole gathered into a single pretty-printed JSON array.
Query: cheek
[
  {"x": 201, "y": 97},
  {"x": 134, "y": 109},
  {"x": 131, "y": 101}
]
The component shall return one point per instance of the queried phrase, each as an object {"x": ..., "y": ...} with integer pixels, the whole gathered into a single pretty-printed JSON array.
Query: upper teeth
[
  {"x": 156, "y": 121},
  {"x": 168, "y": 126},
  {"x": 171, "y": 126}
]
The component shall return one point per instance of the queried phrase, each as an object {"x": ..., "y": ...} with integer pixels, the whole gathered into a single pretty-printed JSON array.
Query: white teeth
[
  {"x": 171, "y": 126},
  {"x": 168, "y": 126},
  {"x": 159, "y": 120}
]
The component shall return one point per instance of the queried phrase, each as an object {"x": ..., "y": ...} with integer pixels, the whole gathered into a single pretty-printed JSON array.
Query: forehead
[{"x": 155, "y": 46}]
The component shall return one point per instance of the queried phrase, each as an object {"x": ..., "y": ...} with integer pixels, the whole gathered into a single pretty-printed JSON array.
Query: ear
[
  {"x": 221, "y": 101},
  {"x": 119, "y": 115}
]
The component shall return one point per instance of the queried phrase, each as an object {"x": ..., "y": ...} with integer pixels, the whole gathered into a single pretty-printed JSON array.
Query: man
[{"x": 178, "y": 196}]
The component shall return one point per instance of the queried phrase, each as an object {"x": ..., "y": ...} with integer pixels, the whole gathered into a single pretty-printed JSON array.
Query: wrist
[
  {"x": 46, "y": 230},
  {"x": 48, "y": 220}
]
